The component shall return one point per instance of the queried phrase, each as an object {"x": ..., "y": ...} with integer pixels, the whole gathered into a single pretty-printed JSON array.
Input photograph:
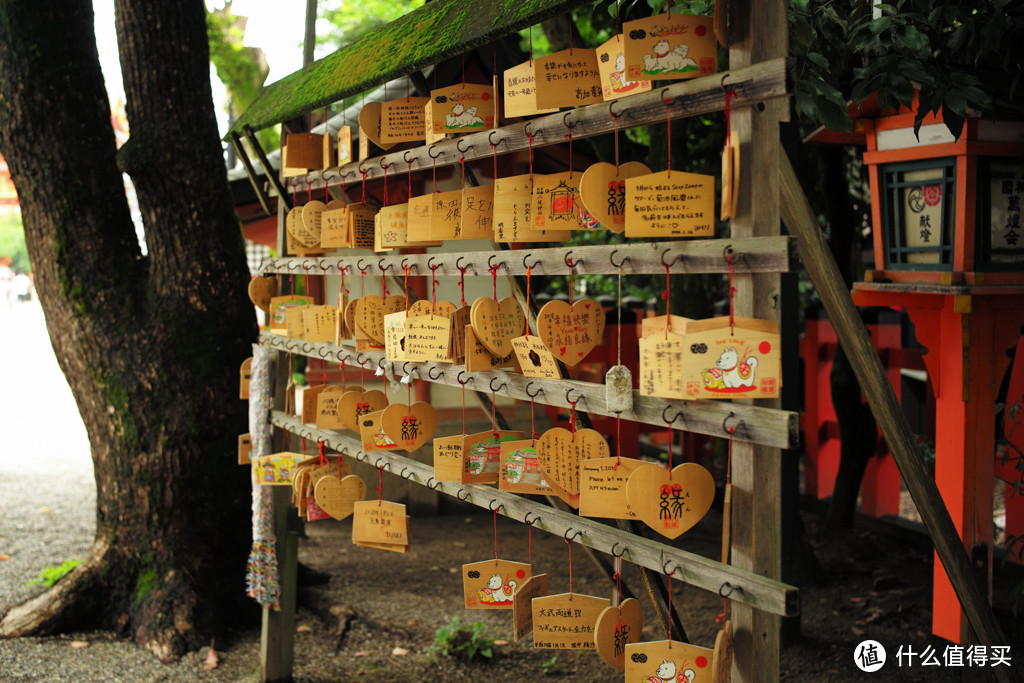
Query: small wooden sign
[
  {"x": 571, "y": 332},
  {"x": 603, "y": 192},
  {"x": 618, "y": 389},
  {"x": 361, "y": 220},
  {"x": 312, "y": 211},
  {"x": 660, "y": 324},
  {"x": 294, "y": 322},
  {"x": 482, "y": 455},
  {"x": 310, "y": 395},
  {"x": 370, "y": 124},
  {"x": 730, "y": 176},
  {"x": 617, "y": 627},
  {"x": 355, "y": 403},
  {"x": 424, "y": 307},
  {"x": 521, "y": 92},
  {"x": 419, "y": 217},
  {"x": 534, "y": 358},
  {"x": 276, "y": 469},
  {"x": 569, "y": 78},
  {"x": 337, "y": 497},
  {"x": 519, "y": 470},
  {"x": 664, "y": 661},
  {"x": 344, "y": 145},
  {"x": 403, "y": 120},
  {"x": 445, "y": 215},
  {"x": 460, "y": 321},
  {"x": 261, "y": 290},
  {"x": 448, "y": 458},
  {"x": 566, "y": 621},
  {"x": 492, "y": 584},
  {"x": 327, "y": 408},
  {"x": 555, "y": 201},
  {"x": 244, "y": 377},
  {"x": 522, "y": 604},
  {"x": 723, "y": 654},
  {"x": 611, "y": 62},
  {"x": 478, "y": 358},
  {"x": 603, "y": 487},
  {"x": 668, "y": 46},
  {"x": 410, "y": 426},
  {"x": 462, "y": 108},
  {"x": 428, "y": 338},
  {"x": 496, "y": 323},
  {"x": 320, "y": 323},
  {"x": 370, "y": 312},
  {"x": 380, "y": 522},
  {"x": 393, "y": 222},
  {"x": 738, "y": 362},
  {"x": 661, "y": 365},
  {"x": 428, "y": 119},
  {"x": 670, "y": 502},
  {"x": 561, "y": 454},
  {"x": 296, "y": 228},
  {"x": 513, "y": 213},
  {"x": 371, "y": 431},
  {"x": 350, "y": 319},
  {"x": 670, "y": 204},
  {"x": 395, "y": 336},
  {"x": 305, "y": 150},
  {"x": 334, "y": 228},
  {"x": 244, "y": 448},
  {"x": 477, "y": 213}
]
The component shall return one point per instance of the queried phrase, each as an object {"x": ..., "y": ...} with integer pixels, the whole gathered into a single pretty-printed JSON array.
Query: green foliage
[
  {"x": 12, "y": 241},
  {"x": 550, "y": 666},
  {"x": 463, "y": 642},
  {"x": 52, "y": 575},
  {"x": 341, "y": 23}
]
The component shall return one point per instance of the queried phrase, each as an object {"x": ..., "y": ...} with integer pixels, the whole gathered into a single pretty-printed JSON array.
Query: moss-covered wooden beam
[{"x": 423, "y": 37}]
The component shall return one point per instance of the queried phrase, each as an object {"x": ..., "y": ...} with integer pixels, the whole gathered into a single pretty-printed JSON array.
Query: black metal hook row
[{"x": 679, "y": 415}]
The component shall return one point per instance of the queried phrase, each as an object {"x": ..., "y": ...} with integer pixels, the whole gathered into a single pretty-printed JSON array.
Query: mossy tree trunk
[{"x": 150, "y": 343}]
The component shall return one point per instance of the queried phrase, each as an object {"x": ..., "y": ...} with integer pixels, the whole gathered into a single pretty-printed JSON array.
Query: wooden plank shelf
[
  {"x": 752, "y": 84},
  {"x": 748, "y": 588},
  {"x": 754, "y": 424}
]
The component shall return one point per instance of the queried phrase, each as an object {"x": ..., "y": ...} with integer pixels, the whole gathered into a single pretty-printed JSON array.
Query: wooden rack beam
[
  {"x": 703, "y": 256},
  {"x": 753, "y": 84},
  {"x": 712, "y": 575},
  {"x": 754, "y": 424}
]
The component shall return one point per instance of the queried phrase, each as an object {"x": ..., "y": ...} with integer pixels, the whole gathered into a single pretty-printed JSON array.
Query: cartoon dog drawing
[
  {"x": 452, "y": 120},
  {"x": 666, "y": 673},
  {"x": 461, "y": 117},
  {"x": 497, "y": 592},
  {"x": 736, "y": 374},
  {"x": 666, "y": 59},
  {"x": 471, "y": 119}
]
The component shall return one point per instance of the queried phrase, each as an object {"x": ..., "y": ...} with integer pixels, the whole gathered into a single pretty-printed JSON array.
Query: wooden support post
[
  {"x": 867, "y": 366},
  {"x": 277, "y": 637},
  {"x": 757, "y": 31}
]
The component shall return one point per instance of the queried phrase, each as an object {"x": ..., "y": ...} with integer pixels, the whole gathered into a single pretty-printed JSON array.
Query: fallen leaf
[
  {"x": 501, "y": 642},
  {"x": 858, "y": 631},
  {"x": 4, "y": 557},
  {"x": 412, "y": 622},
  {"x": 361, "y": 654},
  {"x": 79, "y": 643},
  {"x": 212, "y": 660},
  {"x": 304, "y": 628},
  {"x": 399, "y": 652}
]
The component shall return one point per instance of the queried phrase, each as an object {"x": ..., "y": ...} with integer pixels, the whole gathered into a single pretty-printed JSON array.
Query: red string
[
  {"x": 529, "y": 137},
  {"x": 618, "y": 581},
  {"x": 667, "y": 296},
  {"x": 433, "y": 287},
  {"x": 569, "y": 138},
  {"x": 406, "y": 268},
  {"x": 618, "y": 440},
  {"x": 386, "y": 167},
  {"x": 615, "y": 121},
  {"x": 463, "y": 407},
  {"x": 494, "y": 279},
  {"x": 383, "y": 283},
  {"x": 309, "y": 192},
  {"x": 730, "y": 95},
  {"x": 572, "y": 417},
  {"x": 303, "y": 445},
  {"x": 462, "y": 286},
  {"x": 494, "y": 153},
  {"x": 671, "y": 438},
  {"x": 408, "y": 170},
  {"x": 569, "y": 543},
  {"x": 731, "y": 260},
  {"x": 529, "y": 532},
  {"x": 433, "y": 163},
  {"x": 728, "y": 482},
  {"x": 494, "y": 416},
  {"x": 670, "y": 608},
  {"x": 529, "y": 270},
  {"x": 327, "y": 194},
  {"x": 668, "y": 119},
  {"x": 364, "y": 172},
  {"x": 495, "y": 535},
  {"x": 320, "y": 448},
  {"x": 533, "y": 429},
  {"x": 570, "y": 38},
  {"x": 341, "y": 472},
  {"x": 380, "y": 484},
  {"x": 323, "y": 371},
  {"x": 462, "y": 163}
]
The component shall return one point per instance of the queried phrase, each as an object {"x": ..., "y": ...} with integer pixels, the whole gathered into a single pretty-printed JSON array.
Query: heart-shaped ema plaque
[
  {"x": 261, "y": 290},
  {"x": 560, "y": 453},
  {"x": 496, "y": 323},
  {"x": 311, "y": 213},
  {"x": 603, "y": 192},
  {"x": 424, "y": 307},
  {"x": 369, "y": 124},
  {"x": 617, "y": 627},
  {"x": 370, "y": 312},
  {"x": 297, "y": 228},
  {"x": 410, "y": 426},
  {"x": 338, "y": 497},
  {"x": 570, "y": 333},
  {"x": 670, "y": 502},
  {"x": 354, "y": 404}
]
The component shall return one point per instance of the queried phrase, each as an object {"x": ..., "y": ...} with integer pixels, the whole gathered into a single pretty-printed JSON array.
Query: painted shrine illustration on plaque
[
  {"x": 482, "y": 455},
  {"x": 491, "y": 584},
  {"x": 276, "y": 469},
  {"x": 670, "y": 46},
  {"x": 520, "y": 468},
  {"x": 719, "y": 363},
  {"x": 462, "y": 108}
]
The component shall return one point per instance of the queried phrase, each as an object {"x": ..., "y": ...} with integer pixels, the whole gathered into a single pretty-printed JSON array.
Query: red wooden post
[{"x": 880, "y": 490}]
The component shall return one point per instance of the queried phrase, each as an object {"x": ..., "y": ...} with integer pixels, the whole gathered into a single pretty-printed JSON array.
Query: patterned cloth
[{"x": 262, "y": 583}]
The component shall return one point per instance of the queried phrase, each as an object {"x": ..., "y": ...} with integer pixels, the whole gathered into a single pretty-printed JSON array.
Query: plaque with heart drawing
[
  {"x": 670, "y": 502},
  {"x": 496, "y": 323},
  {"x": 561, "y": 454},
  {"x": 570, "y": 333}
]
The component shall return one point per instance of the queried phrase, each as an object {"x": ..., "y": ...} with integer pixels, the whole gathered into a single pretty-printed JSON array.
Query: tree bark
[{"x": 149, "y": 342}]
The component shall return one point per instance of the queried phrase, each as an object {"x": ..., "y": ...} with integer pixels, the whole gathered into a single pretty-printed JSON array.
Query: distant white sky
[{"x": 274, "y": 26}]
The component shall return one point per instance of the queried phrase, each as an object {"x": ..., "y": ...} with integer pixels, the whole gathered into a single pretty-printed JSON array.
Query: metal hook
[
  {"x": 430, "y": 263},
  {"x": 624, "y": 551},
  {"x": 535, "y": 264},
  {"x": 380, "y": 264},
  {"x": 662, "y": 96},
  {"x": 528, "y": 129},
  {"x": 731, "y": 430},
  {"x": 458, "y": 261},
  {"x": 306, "y": 264},
  {"x": 361, "y": 267},
  {"x": 459, "y": 495},
  {"x": 583, "y": 397},
  {"x": 533, "y": 395},
  {"x": 569, "y": 262},
  {"x": 728, "y": 254},
  {"x": 320, "y": 352},
  {"x": 678, "y": 257},
  {"x": 458, "y": 146},
  {"x": 434, "y": 487},
  {"x": 721, "y": 84},
  {"x": 530, "y": 522},
  {"x": 383, "y": 165},
  {"x": 341, "y": 265},
  {"x": 320, "y": 262},
  {"x": 459, "y": 378},
  {"x": 431, "y": 149},
  {"x": 359, "y": 359},
  {"x": 611, "y": 111},
  {"x": 385, "y": 466},
  {"x": 664, "y": 568},
  {"x": 565, "y": 121},
  {"x": 732, "y": 589},
  {"x": 574, "y": 536},
  {"x": 404, "y": 470},
  {"x": 307, "y": 347},
  {"x": 362, "y": 171},
  {"x": 405, "y": 367},
  {"x": 414, "y": 266},
  {"x": 675, "y": 417},
  {"x": 611, "y": 257},
  {"x": 491, "y": 385},
  {"x": 430, "y": 373},
  {"x": 406, "y": 157},
  {"x": 491, "y": 266},
  {"x": 491, "y": 505},
  {"x": 492, "y": 142}
]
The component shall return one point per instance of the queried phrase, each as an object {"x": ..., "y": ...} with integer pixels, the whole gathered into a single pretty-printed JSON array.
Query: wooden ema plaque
[
  {"x": 361, "y": 220},
  {"x": 261, "y": 290},
  {"x": 403, "y": 120},
  {"x": 370, "y": 312},
  {"x": 298, "y": 239},
  {"x": 320, "y": 323},
  {"x": 739, "y": 363},
  {"x": 534, "y": 358},
  {"x": 327, "y": 408},
  {"x": 244, "y": 378},
  {"x": 561, "y": 453},
  {"x": 344, "y": 145},
  {"x": 611, "y": 62},
  {"x": 370, "y": 124},
  {"x": 334, "y": 228},
  {"x": 571, "y": 332},
  {"x": 294, "y": 325},
  {"x": 730, "y": 176},
  {"x": 496, "y": 323},
  {"x": 309, "y": 403},
  {"x": 410, "y": 426},
  {"x": 569, "y": 78},
  {"x": 519, "y": 469},
  {"x": 554, "y": 201},
  {"x": 446, "y": 215},
  {"x": 616, "y": 627},
  {"x": 380, "y": 524},
  {"x": 338, "y": 497},
  {"x": 424, "y": 307},
  {"x": 371, "y": 431},
  {"x": 276, "y": 469},
  {"x": 522, "y": 604},
  {"x": 462, "y": 108},
  {"x": 448, "y": 458},
  {"x": 521, "y": 92},
  {"x": 308, "y": 473},
  {"x": 460, "y": 321},
  {"x": 603, "y": 487},
  {"x": 244, "y": 448},
  {"x": 355, "y": 403},
  {"x": 305, "y": 150},
  {"x": 661, "y": 365},
  {"x": 670, "y": 502},
  {"x": 394, "y": 336},
  {"x": 663, "y": 661},
  {"x": 391, "y": 227},
  {"x": 428, "y": 338},
  {"x": 477, "y": 213},
  {"x": 603, "y": 192},
  {"x": 279, "y": 307},
  {"x": 312, "y": 211},
  {"x": 478, "y": 358},
  {"x": 566, "y": 621},
  {"x": 513, "y": 213},
  {"x": 670, "y": 205},
  {"x": 482, "y": 455},
  {"x": 491, "y": 584},
  {"x": 420, "y": 208},
  {"x": 669, "y": 46}
]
